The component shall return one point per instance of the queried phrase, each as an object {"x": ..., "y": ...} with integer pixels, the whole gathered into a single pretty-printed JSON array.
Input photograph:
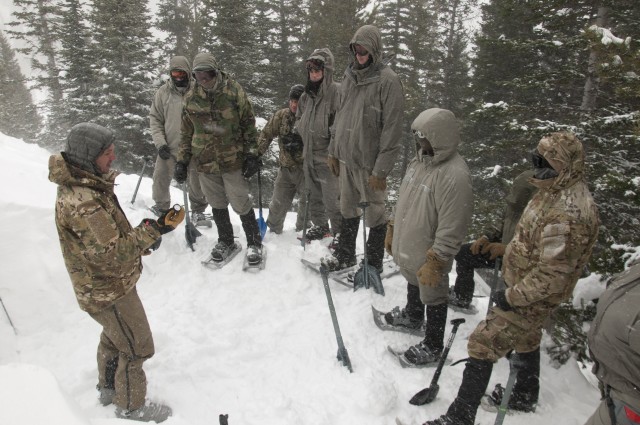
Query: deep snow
[{"x": 258, "y": 346}]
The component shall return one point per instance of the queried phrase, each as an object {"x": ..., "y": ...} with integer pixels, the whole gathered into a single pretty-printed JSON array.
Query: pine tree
[
  {"x": 18, "y": 114},
  {"x": 124, "y": 64},
  {"x": 178, "y": 20}
]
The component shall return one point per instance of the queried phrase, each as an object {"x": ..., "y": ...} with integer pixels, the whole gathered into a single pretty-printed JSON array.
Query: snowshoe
[
  {"x": 255, "y": 259},
  {"x": 201, "y": 220},
  {"x": 157, "y": 211},
  {"x": 317, "y": 233},
  {"x": 491, "y": 402},
  {"x": 397, "y": 320},
  {"x": 461, "y": 306},
  {"x": 334, "y": 264},
  {"x": 406, "y": 363},
  {"x": 150, "y": 412},
  {"x": 222, "y": 254}
]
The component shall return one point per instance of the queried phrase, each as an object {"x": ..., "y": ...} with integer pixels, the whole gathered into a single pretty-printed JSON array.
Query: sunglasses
[
  {"x": 360, "y": 51},
  {"x": 178, "y": 74},
  {"x": 314, "y": 68}
]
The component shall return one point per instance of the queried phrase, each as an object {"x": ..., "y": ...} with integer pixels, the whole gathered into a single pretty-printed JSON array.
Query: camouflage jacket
[
  {"x": 218, "y": 127},
  {"x": 553, "y": 239},
  {"x": 100, "y": 248},
  {"x": 280, "y": 124}
]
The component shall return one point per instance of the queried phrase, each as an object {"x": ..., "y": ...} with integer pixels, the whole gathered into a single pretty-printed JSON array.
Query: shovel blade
[
  {"x": 372, "y": 278},
  {"x": 262, "y": 225},
  {"x": 191, "y": 233},
  {"x": 425, "y": 396}
]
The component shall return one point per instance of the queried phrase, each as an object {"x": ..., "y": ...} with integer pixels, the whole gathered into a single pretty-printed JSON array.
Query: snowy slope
[{"x": 258, "y": 346}]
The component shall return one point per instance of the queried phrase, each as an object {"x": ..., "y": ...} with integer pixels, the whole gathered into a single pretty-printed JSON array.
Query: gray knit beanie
[
  {"x": 86, "y": 142},
  {"x": 205, "y": 62}
]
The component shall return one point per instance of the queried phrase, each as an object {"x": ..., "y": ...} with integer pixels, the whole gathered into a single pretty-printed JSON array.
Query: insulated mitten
[{"x": 431, "y": 272}]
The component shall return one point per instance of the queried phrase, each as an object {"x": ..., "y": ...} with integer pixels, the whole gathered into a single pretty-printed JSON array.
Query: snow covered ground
[{"x": 257, "y": 346}]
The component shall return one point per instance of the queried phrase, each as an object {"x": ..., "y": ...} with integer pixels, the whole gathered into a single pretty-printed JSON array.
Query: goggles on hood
[
  {"x": 178, "y": 74},
  {"x": 360, "y": 50},
  {"x": 315, "y": 65}
]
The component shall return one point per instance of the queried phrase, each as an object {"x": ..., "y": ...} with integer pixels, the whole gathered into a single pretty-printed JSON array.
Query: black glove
[
  {"x": 180, "y": 174},
  {"x": 292, "y": 143},
  {"x": 251, "y": 165},
  {"x": 164, "y": 152},
  {"x": 500, "y": 300}
]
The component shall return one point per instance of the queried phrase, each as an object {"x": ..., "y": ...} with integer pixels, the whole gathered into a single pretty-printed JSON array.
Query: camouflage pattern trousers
[
  {"x": 125, "y": 343},
  {"x": 495, "y": 336}
]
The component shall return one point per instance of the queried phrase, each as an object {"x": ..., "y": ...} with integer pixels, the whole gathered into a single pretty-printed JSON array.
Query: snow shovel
[
  {"x": 494, "y": 283},
  {"x": 367, "y": 275},
  {"x": 135, "y": 192},
  {"x": 428, "y": 394},
  {"x": 261, "y": 223},
  {"x": 343, "y": 356},
  {"x": 303, "y": 239},
  {"x": 191, "y": 233}
]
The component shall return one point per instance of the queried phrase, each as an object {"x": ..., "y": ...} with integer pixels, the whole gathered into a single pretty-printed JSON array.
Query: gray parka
[
  {"x": 368, "y": 127},
  {"x": 165, "y": 116},
  {"x": 316, "y": 111},
  {"x": 436, "y": 199}
]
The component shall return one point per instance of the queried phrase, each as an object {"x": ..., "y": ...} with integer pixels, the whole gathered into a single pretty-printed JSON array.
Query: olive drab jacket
[
  {"x": 316, "y": 111},
  {"x": 100, "y": 248},
  {"x": 368, "y": 125},
  {"x": 166, "y": 109},
  {"x": 218, "y": 127},
  {"x": 554, "y": 237},
  {"x": 280, "y": 124},
  {"x": 436, "y": 199}
]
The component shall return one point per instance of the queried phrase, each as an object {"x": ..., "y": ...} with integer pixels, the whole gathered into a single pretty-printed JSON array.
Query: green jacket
[
  {"x": 280, "y": 124},
  {"x": 100, "y": 248},
  {"x": 218, "y": 127}
]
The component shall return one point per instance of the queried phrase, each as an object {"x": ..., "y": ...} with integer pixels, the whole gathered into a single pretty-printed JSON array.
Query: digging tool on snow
[
  {"x": 191, "y": 233},
  {"x": 343, "y": 356},
  {"x": 135, "y": 192},
  {"x": 367, "y": 275}
]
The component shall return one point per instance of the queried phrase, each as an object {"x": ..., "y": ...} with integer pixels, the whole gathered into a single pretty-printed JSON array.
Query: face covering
[{"x": 542, "y": 169}]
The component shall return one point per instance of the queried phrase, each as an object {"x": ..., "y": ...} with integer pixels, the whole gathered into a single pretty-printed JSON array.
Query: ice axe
[
  {"x": 191, "y": 233},
  {"x": 428, "y": 394},
  {"x": 367, "y": 275},
  {"x": 262, "y": 225},
  {"x": 144, "y": 165}
]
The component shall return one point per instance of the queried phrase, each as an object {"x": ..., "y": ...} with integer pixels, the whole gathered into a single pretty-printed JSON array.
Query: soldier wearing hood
[
  {"x": 314, "y": 122},
  {"x": 551, "y": 245},
  {"x": 102, "y": 253},
  {"x": 220, "y": 135},
  {"x": 165, "y": 119},
  {"x": 429, "y": 225},
  {"x": 364, "y": 145}
]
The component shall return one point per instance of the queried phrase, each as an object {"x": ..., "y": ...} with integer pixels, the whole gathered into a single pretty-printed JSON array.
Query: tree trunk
[{"x": 590, "y": 94}]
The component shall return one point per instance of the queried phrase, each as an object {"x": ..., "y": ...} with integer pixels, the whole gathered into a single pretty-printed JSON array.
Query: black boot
[
  {"x": 412, "y": 315},
  {"x": 345, "y": 253},
  {"x": 475, "y": 379},
  {"x": 251, "y": 229},
  {"x": 430, "y": 349},
  {"x": 375, "y": 246},
  {"x": 223, "y": 223},
  {"x": 527, "y": 387}
]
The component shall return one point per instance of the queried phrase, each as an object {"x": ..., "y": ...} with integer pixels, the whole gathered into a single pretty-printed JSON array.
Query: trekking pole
[
  {"x": 262, "y": 225},
  {"x": 144, "y": 165},
  {"x": 303, "y": 240},
  {"x": 514, "y": 365},
  {"x": 343, "y": 356},
  {"x": 494, "y": 284},
  {"x": 8, "y": 317},
  {"x": 428, "y": 394}
]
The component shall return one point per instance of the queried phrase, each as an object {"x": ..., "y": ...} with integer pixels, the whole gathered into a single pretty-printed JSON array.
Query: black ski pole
[
  {"x": 428, "y": 394},
  {"x": 8, "y": 317},
  {"x": 494, "y": 284},
  {"x": 343, "y": 356},
  {"x": 303, "y": 240},
  {"x": 135, "y": 192}
]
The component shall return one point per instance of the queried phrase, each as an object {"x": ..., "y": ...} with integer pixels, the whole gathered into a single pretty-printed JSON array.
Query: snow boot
[
  {"x": 475, "y": 379},
  {"x": 149, "y": 412},
  {"x": 375, "y": 246},
  {"x": 254, "y": 240},
  {"x": 105, "y": 395},
  {"x": 430, "y": 349},
  {"x": 524, "y": 397},
  {"x": 200, "y": 220},
  {"x": 457, "y": 300},
  {"x": 158, "y": 211},
  {"x": 225, "y": 244},
  {"x": 412, "y": 316},
  {"x": 318, "y": 232},
  {"x": 344, "y": 255},
  {"x": 422, "y": 354}
]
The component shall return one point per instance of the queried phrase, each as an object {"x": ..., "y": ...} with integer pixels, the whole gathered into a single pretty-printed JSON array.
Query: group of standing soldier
[{"x": 338, "y": 144}]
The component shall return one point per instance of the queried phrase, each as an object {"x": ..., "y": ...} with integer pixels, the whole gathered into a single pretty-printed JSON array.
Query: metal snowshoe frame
[
  {"x": 343, "y": 356},
  {"x": 191, "y": 233},
  {"x": 367, "y": 275}
]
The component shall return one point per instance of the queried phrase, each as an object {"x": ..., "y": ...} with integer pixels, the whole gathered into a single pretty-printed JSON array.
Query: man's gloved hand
[
  {"x": 499, "y": 298},
  {"x": 164, "y": 152},
  {"x": 181, "y": 171},
  {"x": 495, "y": 248},
  {"x": 170, "y": 219},
  {"x": 251, "y": 165},
  {"x": 476, "y": 247},
  {"x": 431, "y": 272},
  {"x": 334, "y": 165},
  {"x": 156, "y": 244},
  {"x": 388, "y": 238},
  {"x": 377, "y": 183},
  {"x": 292, "y": 143}
]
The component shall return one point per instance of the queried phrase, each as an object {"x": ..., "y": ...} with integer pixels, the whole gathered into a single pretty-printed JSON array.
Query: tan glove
[
  {"x": 477, "y": 246},
  {"x": 171, "y": 219},
  {"x": 388, "y": 238},
  {"x": 431, "y": 272},
  {"x": 377, "y": 183},
  {"x": 334, "y": 165},
  {"x": 496, "y": 249}
]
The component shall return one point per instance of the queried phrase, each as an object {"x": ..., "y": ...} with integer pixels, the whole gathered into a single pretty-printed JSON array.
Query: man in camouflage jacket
[
  {"x": 290, "y": 179},
  {"x": 219, "y": 133},
  {"x": 102, "y": 253},
  {"x": 552, "y": 243}
]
